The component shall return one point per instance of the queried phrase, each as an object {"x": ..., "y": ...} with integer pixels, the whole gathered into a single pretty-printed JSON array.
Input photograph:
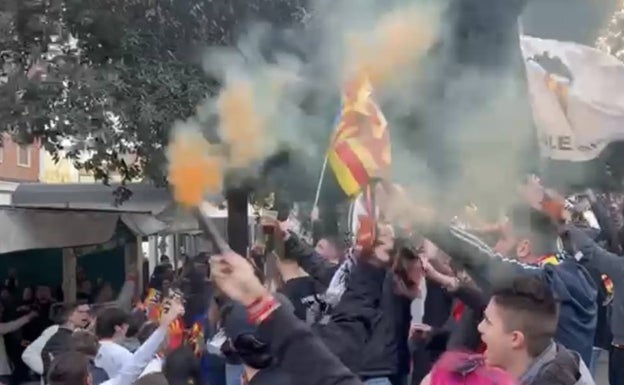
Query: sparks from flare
[{"x": 195, "y": 167}]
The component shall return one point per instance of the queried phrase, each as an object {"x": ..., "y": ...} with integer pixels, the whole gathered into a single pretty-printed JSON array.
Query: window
[{"x": 23, "y": 156}]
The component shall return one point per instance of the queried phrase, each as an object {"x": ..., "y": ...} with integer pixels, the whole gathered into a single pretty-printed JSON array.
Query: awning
[
  {"x": 145, "y": 198},
  {"x": 26, "y": 229},
  {"x": 71, "y": 215}
]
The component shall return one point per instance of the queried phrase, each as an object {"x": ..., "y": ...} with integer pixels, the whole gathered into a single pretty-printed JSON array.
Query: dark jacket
[
  {"x": 353, "y": 321},
  {"x": 386, "y": 354},
  {"x": 302, "y": 356},
  {"x": 603, "y": 336},
  {"x": 304, "y": 293},
  {"x": 57, "y": 344},
  {"x": 438, "y": 305},
  {"x": 569, "y": 281},
  {"x": 557, "y": 366},
  {"x": 464, "y": 335},
  {"x": 271, "y": 376},
  {"x": 609, "y": 264}
]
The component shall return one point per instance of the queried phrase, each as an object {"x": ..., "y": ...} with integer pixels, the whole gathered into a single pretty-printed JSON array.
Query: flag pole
[{"x": 319, "y": 185}]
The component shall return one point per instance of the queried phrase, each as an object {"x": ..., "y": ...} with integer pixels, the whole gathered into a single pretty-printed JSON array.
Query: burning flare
[{"x": 195, "y": 167}]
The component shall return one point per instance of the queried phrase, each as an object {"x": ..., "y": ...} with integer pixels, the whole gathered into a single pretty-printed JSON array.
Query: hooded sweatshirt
[
  {"x": 569, "y": 280},
  {"x": 557, "y": 366}
]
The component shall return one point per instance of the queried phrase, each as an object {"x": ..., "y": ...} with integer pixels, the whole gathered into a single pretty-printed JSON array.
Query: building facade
[{"x": 18, "y": 164}]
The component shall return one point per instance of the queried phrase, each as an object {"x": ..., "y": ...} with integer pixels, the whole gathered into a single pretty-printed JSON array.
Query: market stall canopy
[
  {"x": 144, "y": 198},
  {"x": 31, "y": 229},
  {"x": 71, "y": 215}
]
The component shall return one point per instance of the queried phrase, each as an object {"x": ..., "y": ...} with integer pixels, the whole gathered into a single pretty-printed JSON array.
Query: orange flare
[
  {"x": 194, "y": 168},
  {"x": 241, "y": 125}
]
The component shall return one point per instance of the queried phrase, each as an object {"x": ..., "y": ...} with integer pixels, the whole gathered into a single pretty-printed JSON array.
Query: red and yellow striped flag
[{"x": 360, "y": 147}]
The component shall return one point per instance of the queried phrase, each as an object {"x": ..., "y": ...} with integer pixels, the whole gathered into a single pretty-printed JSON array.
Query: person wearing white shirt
[
  {"x": 111, "y": 325},
  {"x": 72, "y": 368},
  {"x": 156, "y": 363}
]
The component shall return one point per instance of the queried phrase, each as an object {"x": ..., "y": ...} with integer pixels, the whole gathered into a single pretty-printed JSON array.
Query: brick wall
[{"x": 19, "y": 164}]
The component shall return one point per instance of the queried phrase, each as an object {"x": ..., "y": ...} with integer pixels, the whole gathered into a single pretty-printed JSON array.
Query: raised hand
[
  {"x": 235, "y": 276},
  {"x": 172, "y": 309}
]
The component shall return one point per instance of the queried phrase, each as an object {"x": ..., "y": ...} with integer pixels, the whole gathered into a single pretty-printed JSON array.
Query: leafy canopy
[{"x": 113, "y": 75}]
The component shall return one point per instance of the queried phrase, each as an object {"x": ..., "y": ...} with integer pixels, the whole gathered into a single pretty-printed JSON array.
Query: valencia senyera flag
[{"x": 360, "y": 147}]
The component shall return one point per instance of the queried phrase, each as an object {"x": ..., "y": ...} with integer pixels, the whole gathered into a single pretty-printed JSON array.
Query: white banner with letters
[{"x": 577, "y": 97}]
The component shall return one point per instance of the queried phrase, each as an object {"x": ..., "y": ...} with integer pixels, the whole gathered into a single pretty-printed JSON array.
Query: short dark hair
[
  {"x": 146, "y": 331},
  {"x": 337, "y": 242},
  {"x": 136, "y": 320},
  {"x": 529, "y": 306},
  {"x": 181, "y": 367},
  {"x": 70, "y": 368},
  {"x": 536, "y": 226},
  {"x": 84, "y": 342},
  {"x": 108, "y": 319},
  {"x": 62, "y": 312}
]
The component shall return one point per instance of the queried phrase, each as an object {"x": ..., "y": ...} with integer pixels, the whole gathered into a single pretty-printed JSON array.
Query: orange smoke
[
  {"x": 241, "y": 125},
  {"x": 398, "y": 40},
  {"x": 195, "y": 168}
]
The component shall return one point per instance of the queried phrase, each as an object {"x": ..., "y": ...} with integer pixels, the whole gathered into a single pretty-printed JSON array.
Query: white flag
[{"x": 577, "y": 97}]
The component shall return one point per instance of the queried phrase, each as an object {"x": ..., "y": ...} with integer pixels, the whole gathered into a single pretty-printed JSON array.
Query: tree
[
  {"x": 611, "y": 40},
  {"x": 113, "y": 75}
]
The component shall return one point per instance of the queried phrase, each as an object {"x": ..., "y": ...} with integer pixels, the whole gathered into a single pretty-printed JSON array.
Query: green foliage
[{"x": 113, "y": 75}]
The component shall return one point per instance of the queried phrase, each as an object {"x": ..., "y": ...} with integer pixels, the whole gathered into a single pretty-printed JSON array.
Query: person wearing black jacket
[
  {"x": 607, "y": 237},
  {"x": 300, "y": 353},
  {"x": 386, "y": 355}
]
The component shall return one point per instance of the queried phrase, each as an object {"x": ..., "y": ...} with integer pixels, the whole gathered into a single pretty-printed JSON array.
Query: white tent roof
[{"x": 70, "y": 215}]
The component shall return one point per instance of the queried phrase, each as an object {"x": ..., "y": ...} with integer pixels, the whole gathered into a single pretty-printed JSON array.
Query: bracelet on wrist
[{"x": 261, "y": 309}]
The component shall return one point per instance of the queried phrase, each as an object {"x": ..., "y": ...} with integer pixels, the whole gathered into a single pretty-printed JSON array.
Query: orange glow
[
  {"x": 241, "y": 125},
  {"x": 194, "y": 167},
  {"x": 396, "y": 42}
]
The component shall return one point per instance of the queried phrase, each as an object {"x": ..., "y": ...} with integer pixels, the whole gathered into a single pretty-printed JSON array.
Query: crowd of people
[
  {"x": 532, "y": 300},
  {"x": 30, "y": 311}
]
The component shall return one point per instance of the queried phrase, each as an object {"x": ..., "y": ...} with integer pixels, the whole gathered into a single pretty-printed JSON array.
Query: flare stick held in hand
[{"x": 210, "y": 230}]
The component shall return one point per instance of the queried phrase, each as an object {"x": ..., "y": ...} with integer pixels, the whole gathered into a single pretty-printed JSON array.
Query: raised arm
[
  {"x": 132, "y": 369},
  {"x": 309, "y": 260},
  {"x": 11, "y": 326},
  {"x": 484, "y": 265},
  {"x": 301, "y": 354}
]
